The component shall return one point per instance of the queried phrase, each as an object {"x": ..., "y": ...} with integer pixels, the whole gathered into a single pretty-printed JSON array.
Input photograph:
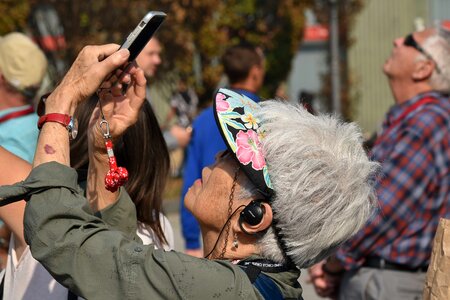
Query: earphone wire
[{"x": 223, "y": 228}]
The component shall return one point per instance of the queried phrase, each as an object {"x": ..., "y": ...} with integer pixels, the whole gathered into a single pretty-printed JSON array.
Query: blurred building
[{"x": 310, "y": 63}]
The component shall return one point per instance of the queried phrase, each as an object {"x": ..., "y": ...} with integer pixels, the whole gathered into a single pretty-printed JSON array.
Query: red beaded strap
[{"x": 116, "y": 176}]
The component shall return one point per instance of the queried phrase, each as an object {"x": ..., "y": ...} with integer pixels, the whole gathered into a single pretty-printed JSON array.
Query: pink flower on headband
[
  {"x": 249, "y": 149},
  {"x": 221, "y": 104}
]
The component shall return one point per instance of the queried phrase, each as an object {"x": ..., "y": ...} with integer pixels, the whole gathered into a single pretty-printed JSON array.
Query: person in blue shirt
[{"x": 244, "y": 67}]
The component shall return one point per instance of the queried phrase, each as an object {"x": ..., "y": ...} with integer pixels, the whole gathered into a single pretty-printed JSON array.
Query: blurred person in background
[
  {"x": 389, "y": 258},
  {"x": 22, "y": 68},
  {"x": 282, "y": 93},
  {"x": 149, "y": 59},
  {"x": 306, "y": 98},
  {"x": 244, "y": 67},
  {"x": 184, "y": 103}
]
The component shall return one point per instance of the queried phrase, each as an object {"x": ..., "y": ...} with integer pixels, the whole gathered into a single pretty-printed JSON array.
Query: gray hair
[
  {"x": 438, "y": 46},
  {"x": 247, "y": 189},
  {"x": 322, "y": 180}
]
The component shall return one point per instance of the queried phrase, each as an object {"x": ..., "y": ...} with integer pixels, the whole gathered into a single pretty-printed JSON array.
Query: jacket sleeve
[
  {"x": 121, "y": 215},
  {"x": 95, "y": 261}
]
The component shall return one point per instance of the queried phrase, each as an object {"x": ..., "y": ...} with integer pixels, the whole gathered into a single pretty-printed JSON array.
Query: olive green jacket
[{"x": 100, "y": 257}]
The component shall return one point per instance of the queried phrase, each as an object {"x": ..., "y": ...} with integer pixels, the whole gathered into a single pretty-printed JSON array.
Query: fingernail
[{"x": 123, "y": 52}]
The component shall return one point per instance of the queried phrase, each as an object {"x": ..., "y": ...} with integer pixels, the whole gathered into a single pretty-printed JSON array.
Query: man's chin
[
  {"x": 386, "y": 68},
  {"x": 150, "y": 74}
]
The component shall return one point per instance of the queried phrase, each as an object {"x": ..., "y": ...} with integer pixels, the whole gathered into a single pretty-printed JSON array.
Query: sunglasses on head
[{"x": 411, "y": 42}]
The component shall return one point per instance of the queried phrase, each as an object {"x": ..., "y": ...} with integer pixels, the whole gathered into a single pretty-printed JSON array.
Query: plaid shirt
[{"x": 414, "y": 185}]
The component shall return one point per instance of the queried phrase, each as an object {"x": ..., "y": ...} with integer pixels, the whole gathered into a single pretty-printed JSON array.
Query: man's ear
[
  {"x": 261, "y": 226},
  {"x": 256, "y": 76},
  {"x": 423, "y": 70},
  {"x": 255, "y": 72}
]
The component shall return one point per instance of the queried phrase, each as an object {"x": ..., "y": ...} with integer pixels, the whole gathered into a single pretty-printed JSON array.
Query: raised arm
[{"x": 91, "y": 67}]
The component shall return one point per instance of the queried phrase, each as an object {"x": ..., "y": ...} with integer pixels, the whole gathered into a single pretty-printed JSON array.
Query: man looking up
[
  {"x": 149, "y": 60},
  {"x": 389, "y": 258},
  {"x": 244, "y": 67}
]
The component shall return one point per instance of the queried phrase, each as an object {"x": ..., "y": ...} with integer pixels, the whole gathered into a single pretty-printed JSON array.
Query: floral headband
[{"x": 234, "y": 114}]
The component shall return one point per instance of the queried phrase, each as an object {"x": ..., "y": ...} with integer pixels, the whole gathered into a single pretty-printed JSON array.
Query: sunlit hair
[
  {"x": 438, "y": 46},
  {"x": 238, "y": 60},
  {"x": 322, "y": 178}
]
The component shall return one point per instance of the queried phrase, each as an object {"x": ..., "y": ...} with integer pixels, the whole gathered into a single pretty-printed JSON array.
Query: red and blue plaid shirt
[{"x": 413, "y": 188}]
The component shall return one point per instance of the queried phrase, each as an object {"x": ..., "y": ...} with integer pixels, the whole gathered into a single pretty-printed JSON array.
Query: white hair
[
  {"x": 322, "y": 178},
  {"x": 438, "y": 47}
]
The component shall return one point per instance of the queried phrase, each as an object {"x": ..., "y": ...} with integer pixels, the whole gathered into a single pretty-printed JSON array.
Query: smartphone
[{"x": 140, "y": 36}]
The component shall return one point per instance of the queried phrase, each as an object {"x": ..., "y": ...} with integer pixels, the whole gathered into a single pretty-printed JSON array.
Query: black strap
[
  {"x": 71, "y": 296},
  {"x": 266, "y": 265},
  {"x": 264, "y": 284},
  {"x": 252, "y": 272}
]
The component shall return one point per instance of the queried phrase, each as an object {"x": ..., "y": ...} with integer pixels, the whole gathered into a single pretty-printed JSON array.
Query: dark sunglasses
[{"x": 411, "y": 42}]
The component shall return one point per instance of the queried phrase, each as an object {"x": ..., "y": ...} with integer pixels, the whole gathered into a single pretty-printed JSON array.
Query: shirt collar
[
  {"x": 4, "y": 112},
  {"x": 397, "y": 110},
  {"x": 249, "y": 94}
]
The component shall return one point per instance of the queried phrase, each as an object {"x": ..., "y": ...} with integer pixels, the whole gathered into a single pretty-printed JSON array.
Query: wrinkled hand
[
  {"x": 91, "y": 67},
  {"x": 121, "y": 110},
  {"x": 324, "y": 285}
]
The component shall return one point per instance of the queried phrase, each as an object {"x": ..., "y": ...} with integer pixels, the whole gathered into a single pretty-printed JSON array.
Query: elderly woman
[{"x": 290, "y": 189}]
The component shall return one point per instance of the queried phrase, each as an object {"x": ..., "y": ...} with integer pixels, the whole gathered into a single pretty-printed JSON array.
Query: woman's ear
[{"x": 266, "y": 221}]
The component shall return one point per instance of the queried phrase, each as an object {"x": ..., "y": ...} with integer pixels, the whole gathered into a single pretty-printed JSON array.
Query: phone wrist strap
[{"x": 116, "y": 176}]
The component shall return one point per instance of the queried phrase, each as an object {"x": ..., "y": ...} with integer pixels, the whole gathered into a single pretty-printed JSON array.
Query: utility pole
[{"x": 334, "y": 49}]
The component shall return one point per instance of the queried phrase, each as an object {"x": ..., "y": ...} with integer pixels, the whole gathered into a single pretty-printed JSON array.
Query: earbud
[{"x": 252, "y": 214}]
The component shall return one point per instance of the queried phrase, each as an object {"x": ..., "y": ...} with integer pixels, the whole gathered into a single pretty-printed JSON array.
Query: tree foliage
[
  {"x": 14, "y": 15},
  {"x": 197, "y": 32},
  {"x": 194, "y": 36}
]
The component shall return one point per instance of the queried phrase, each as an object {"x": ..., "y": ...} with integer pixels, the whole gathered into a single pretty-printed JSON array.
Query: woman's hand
[
  {"x": 91, "y": 67},
  {"x": 121, "y": 110}
]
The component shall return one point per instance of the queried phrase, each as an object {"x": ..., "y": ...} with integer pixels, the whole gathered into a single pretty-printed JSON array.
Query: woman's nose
[{"x": 205, "y": 172}]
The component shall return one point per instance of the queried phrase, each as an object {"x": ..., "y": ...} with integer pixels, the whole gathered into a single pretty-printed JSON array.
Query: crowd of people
[{"x": 269, "y": 187}]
